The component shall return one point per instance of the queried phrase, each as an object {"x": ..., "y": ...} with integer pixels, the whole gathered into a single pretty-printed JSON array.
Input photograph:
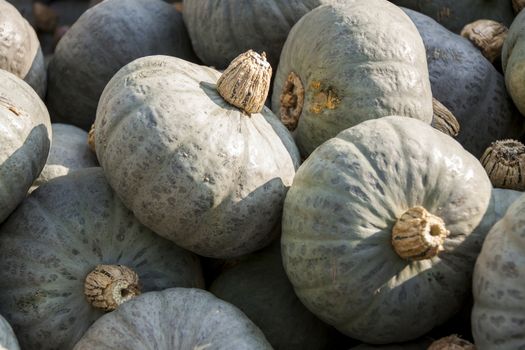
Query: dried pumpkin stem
[
  {"x": 91, "y": 138},
  {"x": 443, "y": 119},
  {"x": 452, "y": 342},
  {"x": 487, "y": 35},
  {"x": 518, "y": 5},
  {"x": 292, "y": 101},
  {"x": 504, "y": 162},
  {"x": 418, "y": 235},
  {"x": 108, "y": 286}
]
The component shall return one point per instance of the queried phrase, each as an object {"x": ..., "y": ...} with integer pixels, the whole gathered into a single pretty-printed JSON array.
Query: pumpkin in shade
[
  {"x": 498, "y": 316},
  {"x": 176, "y": 318},
  {"x": 420, "y": 344},
  {"x": 8, "y": 339},
  {"x": 20, "y": 52},
  {"x": 213, "y": 178},
  {"x": 377, "y": 229},
  {"x": 465, "y": 82},
  {"x": 103, "y": 40},
  {"x": 72, "y": 251},
  {"x": 513, "y": 61},
  {"x": 25, "y": 139},
  {"x": 346, "y": 63}
]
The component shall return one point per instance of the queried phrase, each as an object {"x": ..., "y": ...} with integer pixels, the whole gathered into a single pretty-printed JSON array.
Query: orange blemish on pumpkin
[{"x": 325, "y": 98}]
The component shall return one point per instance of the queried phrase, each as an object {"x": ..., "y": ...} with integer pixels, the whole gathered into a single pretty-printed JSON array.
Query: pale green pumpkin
[{"x": 513, "y": 61}]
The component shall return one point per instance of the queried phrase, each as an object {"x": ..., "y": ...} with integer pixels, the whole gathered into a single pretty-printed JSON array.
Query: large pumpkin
[
  {"x": 513, "y": 60},
  {"x": 465, "y": 82},
  {"x": 343, "y": 64},
  {"x": 100, "y": 42},
  {"x": 377, "y": 229},
  {"x": 55, "y": 250},
  {"x": 177, "y": 318},
  {"x": 192, "y": 167},
  {"x": 8, "y": 339},
  {"x": 24, "y": 140},
  {"x": 498, "y": 316}
]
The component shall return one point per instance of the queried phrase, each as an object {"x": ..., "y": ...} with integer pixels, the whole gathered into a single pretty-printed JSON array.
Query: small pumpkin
[
  {"x": 498, "y": 316},
  {"x": 346, "y": 63},
  {"x": 176, "y": 318},
  {"x": 99, "y": 43},
  {"x": 212, "y": 179},
  {"x": 72, "y": 251},
  {"x": 8, "y": 339},
  {"x": 377, "y": 229},
  {"x": 20, "y": 52},
  {"x": 513, "y": 61}
]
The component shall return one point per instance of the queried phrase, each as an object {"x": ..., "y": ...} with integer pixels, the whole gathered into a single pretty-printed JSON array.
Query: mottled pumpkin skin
[
  {"x": 193, "y": 168},
  {"x": 513, "y": 61},
  {"x": 454, "y": 15},
  {"x": 176, "y": 318},
  {"x": 8, "y": 339},
  {"x": 25, "y": 139},
  {"x": 498, "y": 316},
  {"x": 103, "y": 40},
  {"x": 469, "y": 86},
  {"x": 20, "y": 52},
  {"x": 337, "y": 223},
  {"x": 368, "y": 55},
  {"x": 56, "y": 237}
]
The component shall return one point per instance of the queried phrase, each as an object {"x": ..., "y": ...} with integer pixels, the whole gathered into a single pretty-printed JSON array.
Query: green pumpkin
[
  {"x": 352, "y": 243},
  {"x": 177, "y": 318},
  {"x": 513, "y": 61},
  {"x": 56, "y": 237},
  {"x": 347, "y": 63},
  {"x": 498, "y": 316},
  {"x": 8, "y": 339},
  {"x": 100, "y": 42},
  {"x": 192, "y": 167}
]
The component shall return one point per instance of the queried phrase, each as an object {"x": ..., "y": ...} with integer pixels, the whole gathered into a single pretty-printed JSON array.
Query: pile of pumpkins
[{"x": 254, "y": 174}]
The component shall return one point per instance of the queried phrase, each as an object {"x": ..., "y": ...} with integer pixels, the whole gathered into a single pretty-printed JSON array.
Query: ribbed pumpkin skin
[
  {"x": 498, "y": 316},
  {"x": 25, "y": 139},
  {"x": 177, "y": 318},
  {"x": 337, "y": 223},
  {"x": 469, "y": 86},
  {"x": 454, "y": 15},
  {"x": 103, "y": 40},
  {"x": 20, "y": 52},
  {"x": 193, "y": 168},
  {"x": 513, "y": 61},
  {"x": 7, "y": 336},
  {"x": 56, "y": 237},
  {"x": 369, "y": 54}
]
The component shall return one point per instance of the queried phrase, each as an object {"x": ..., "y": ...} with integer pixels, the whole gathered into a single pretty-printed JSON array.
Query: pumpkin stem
[
  {"x": 518, "y": 5},
  {"x": 504, "y": 162},
  {"x": 418, "y": 235},
  {"x": 443, "y": 119},
  {"x": 91, "y": 138},
  {"x": 108, "y": 286},
  {"x": 246, "y": 82},
  {"x": 451, "y": 342},
  {"x": 292, "y": 100},
  {"x": 486, "y": 35}
]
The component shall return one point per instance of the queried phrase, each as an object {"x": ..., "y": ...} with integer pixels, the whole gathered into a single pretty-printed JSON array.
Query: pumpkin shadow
[{"x": 211, "y": 90}]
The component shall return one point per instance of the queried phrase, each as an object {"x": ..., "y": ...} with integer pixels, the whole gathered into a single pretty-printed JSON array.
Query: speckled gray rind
[
  {"x": 8, "y": 339},
  {"x": 103, "y": 40},
  {"x": 454, "y": 15},
  {"x": 369, "y": 54},
  {"x": 498, "y": 316},
  {"x": 469, "y": 86},
  {"x": 25, "y": 139},
  {"x": 69, "y": 151},
  {"x": 56, "y": 237},
  {"x": 193, "y": 168},
  {"x": 337, "y": 222},
  {"x": 513, "y": 61},
  {"x": 177, "y": 318}
]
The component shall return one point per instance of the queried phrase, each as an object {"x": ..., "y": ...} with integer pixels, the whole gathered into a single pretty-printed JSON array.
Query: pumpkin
[
  {"x": 69, "y": 151},
  {"x": 343, "y": 64},
  {"x": 20, "y": 52},
  {"x": 176, "y": 318},
  {"x": 454, "y": 15},
  {"x": 498, "y": 316},
  {"x": 71, "y": 251},
  {"x": 213, "y": 178},
  {"x": 8, "y": 339},
  {"x": 377, "y": 229},
  {"x": 420, "y": 344},
  {"x": 259, "y": 287},
  {"x": 103, "y": 40},
  {"x": 513, "y": 61},
  {"x": 24, "y": 140},
  {"x": 465, "y": 82}
]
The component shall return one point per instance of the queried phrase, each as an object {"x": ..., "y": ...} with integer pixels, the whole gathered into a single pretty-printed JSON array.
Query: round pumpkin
[
  {"x": 176, "y": 318},
  {"x": 343, "y": 64},
  {"x": 50, "y": 251},
  {"x": 212, "y": 179},
  {"x": 8, "y": 339},
  {"x": 377, "y": 229},
  {"x": 24, "y": 140},
  {"x": 467, "y": 84},
  {"x": 103, "y": 40},
  {"x": 498, "y": 316},
  {"x": 20, "y": 52},
  {"x": 513, "y": 61}
]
